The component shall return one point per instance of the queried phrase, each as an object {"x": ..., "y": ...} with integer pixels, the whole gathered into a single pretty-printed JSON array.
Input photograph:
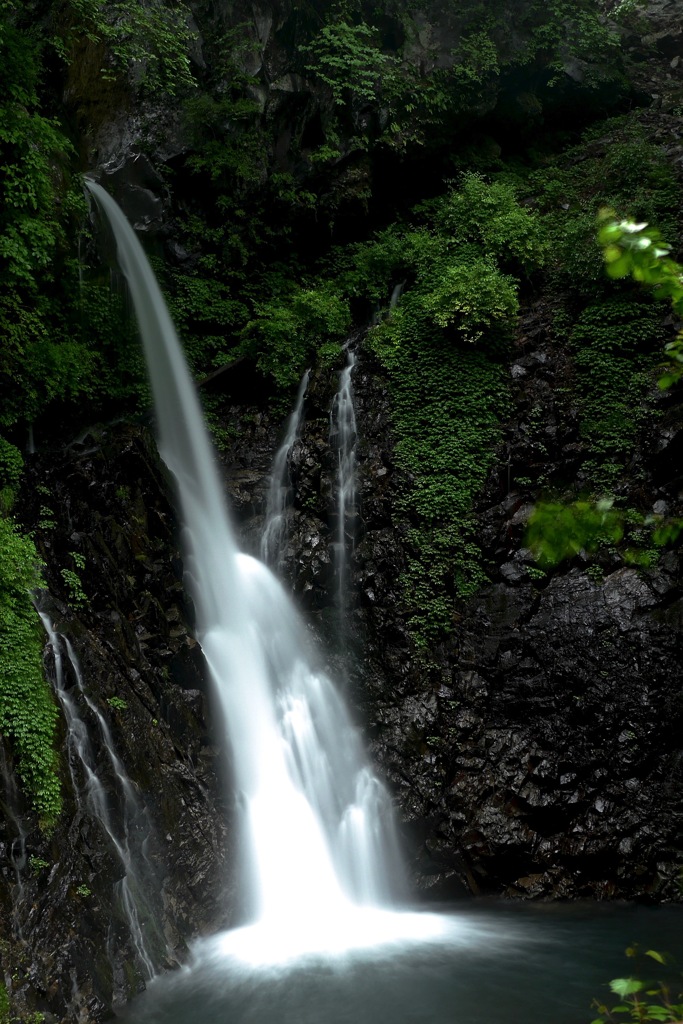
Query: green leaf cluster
[
  {"x": 288, "y": 330},
  {"x": 558, "y": 531},
  {"x": 350, "y": 62},
  {"x": 614, "y": 165},
  {"x": 638, "y": 251},
  {"x": 11, "y": 468},
  {"x": 402, "y": 98},
  {"x": 151, "y": 39},
  {"x": 63, "y": 335},
  {"x": 447, "y": 405},
  {"x": 27, "y": 711},
  {"x": 452, "y": 260},
  {"x": 641, "y": 1001}
]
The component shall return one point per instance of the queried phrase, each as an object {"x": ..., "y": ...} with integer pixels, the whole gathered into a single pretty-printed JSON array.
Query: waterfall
[
  {"x": 129, "y": 838},
  {"x": 396, "y": 293},
  {"x": 310, "y": 804},
  {"x": 274, "y": 529},
  {"x": 343, "y": 445}
]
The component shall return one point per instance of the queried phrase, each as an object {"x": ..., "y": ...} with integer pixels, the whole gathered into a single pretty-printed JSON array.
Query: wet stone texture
[
  {"x": 106, "y": 499},
  {"x": 536, "y": 752}
]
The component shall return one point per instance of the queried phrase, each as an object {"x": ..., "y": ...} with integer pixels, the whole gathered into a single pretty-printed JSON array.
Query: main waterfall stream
[{"x": 322, "y": 941}]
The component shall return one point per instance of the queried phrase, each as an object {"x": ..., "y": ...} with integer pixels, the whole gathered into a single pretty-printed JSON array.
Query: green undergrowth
[
  {"x": 448, "y": 402},
  {"x": 641, "y": 998},
  {"x": 150, "y": 41},
  {"x": 616, "y": 346},
  {"x": 613, "y": 333},
  {"x": 27, "y": 711},
  {"x": 459, "y": 261},
  {"x": 411, "y": 98},
  {"x": 615, "y": 164}
]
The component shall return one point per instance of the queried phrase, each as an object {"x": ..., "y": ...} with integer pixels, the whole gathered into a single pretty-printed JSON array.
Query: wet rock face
[
  {"x": 108, "y": 502},
  {"x": 536, "y": 752}
]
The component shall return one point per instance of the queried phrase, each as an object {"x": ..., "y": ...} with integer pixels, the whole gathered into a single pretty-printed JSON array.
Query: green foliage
[
  {"x": 289, "y": 329},
  {"x": 350, "y": 63},
  {"x": 450, "y": 265},
  {"x": 641, "y": 1001},
  {"x": 72, "y": 581},
  {"x": 37, "y": 864},
  {"x": 56, "y": 329},
  {"x": 397, "y": 100},
  {"x": 83, "y": 891},
  {"x": 638, "y": 251},
  {"x": 74, "y": 587},
  {"x": 33, "y": 151},
  {"x": 614, "y": 345},
  {"x": 228, "y": 139},
  {"x": 570, "y": 30},
  {"x": 11, "y": 468},
  {"x": 118, "y": 703},
  {"x": 614, "y": 165},
  {"x": 4, "y": 1004},
  {"x": 27, "y": 711},
  {"x": 488, "y": 215},
  {"x": 559, "y": 531},
  {"x": 441, "y": 346},
  {"x": 152, "y": 39},
  {"x": 410, "y": 97},
  {"x": 447, "y": 402}
]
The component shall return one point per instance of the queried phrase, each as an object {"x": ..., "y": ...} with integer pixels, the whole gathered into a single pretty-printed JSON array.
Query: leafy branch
[
  {"x": 641, "y": 1001},
  {"x": 638, "y": 251}
]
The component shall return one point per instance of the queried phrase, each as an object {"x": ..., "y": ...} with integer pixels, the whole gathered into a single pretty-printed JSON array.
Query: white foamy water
[
  {"x": 275, "y": 524},
  {"x": 127, "y": 837}
]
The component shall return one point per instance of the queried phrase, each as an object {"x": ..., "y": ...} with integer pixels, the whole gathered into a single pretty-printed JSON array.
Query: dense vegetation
[
  {"x": 433, "y": 181},
  {"x": 27, "y": 712}
]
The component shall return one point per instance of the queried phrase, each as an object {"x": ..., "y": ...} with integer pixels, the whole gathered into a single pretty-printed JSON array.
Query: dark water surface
[{"x": 492, "y": 964}]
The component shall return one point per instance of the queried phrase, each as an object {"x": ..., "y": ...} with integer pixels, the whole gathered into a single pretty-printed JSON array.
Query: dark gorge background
[{"x": 291, "y": 168}]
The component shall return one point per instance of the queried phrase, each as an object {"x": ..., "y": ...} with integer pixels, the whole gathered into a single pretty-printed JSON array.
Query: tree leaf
[{"x": 626, "y": 986}]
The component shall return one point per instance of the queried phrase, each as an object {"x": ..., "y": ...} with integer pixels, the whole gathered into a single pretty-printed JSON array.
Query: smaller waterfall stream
[
  {"x": 129, "y": 837},
  {"x": 275, "y": 526},
  {"x": 343, "y": 433}
]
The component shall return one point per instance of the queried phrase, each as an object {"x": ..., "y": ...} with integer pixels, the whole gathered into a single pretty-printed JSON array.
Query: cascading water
[
  {"x": 128, "y": 839},
  {"x": 343, "y": 433},
  {"x": 317, "y": 841},
  {"x": 275, "y": 526}
]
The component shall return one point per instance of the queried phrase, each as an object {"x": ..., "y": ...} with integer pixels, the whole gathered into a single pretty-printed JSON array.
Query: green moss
[
  {"x": 448, "y": 402},
  {"x": 27, "y": 711},
  {"x": 443, "y": 346},
  {"x": 617, "y": 346},
  {"x": 615, "y": 165}
]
